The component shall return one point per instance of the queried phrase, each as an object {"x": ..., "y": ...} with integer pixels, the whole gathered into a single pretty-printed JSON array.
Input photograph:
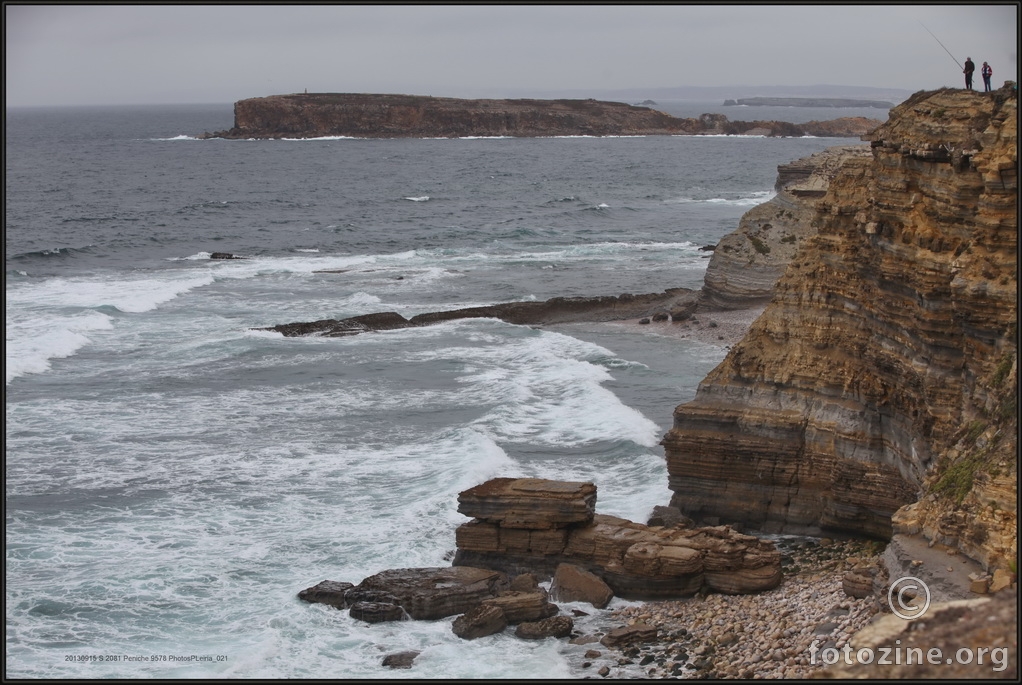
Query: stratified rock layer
[
  {"x": 531, "y": 503},
  {"x": 891, "y": 333},
  {"x": 746, "y": 263},
  {"x": 431, "y": 593},
  {"x": 634, "y": 560}
]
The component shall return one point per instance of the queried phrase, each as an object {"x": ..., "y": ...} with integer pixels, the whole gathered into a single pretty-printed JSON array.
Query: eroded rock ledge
[{"x": 361, "y": 115}]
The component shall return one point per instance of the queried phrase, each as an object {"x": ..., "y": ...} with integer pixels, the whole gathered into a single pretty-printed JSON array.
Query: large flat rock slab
[{"x": 530, "y": 503}]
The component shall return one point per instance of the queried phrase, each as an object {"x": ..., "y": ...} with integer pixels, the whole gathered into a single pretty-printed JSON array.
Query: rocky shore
[{"x": 766, "y": 635}]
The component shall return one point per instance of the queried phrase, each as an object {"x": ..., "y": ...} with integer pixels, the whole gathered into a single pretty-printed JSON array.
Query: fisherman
[
  {"x": 987, "y": 72},
  {"x": 970, "y": 67}
]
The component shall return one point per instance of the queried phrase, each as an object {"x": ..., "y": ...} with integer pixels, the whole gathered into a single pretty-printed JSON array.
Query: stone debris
[{"x": 765, "y": 635}]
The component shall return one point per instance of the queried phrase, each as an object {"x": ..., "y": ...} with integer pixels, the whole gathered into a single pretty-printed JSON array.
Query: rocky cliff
[
  {"x": 746, "y": 263},
  {"x": 883, "y": 372},
  {"x": 311, "y": 115}
]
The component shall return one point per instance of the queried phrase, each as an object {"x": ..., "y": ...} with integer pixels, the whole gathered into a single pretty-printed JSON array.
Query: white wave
[
  {"x": 32, "y": 344},
  {"x": 749, "y": 200},
  {"x": 598, "y": 250},
  {"x": 319, "y": 138},
  {"x": 191, "y": 258},
  {"x": 545, "y": 389},
  {"x": 126, "y": 295},
  {"x": 45, "y": 321},
  {"x": 180, "y": 137},
  {"x": 420, "y": 198},
  {"x": 306, "y": 249}
]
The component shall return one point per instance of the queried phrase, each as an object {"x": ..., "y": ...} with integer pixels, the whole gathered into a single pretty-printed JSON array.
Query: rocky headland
[{"x": 362, "y": 115}]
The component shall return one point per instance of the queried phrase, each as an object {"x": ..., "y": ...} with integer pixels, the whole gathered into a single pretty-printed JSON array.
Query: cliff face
[
  {"x": 884, "y": 368},
  {"x": 746, "y": 263},
  {"x": 313, "y": 115}
]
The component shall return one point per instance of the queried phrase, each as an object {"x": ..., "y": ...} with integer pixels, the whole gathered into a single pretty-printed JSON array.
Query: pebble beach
[{"x": 761, "y": 636}]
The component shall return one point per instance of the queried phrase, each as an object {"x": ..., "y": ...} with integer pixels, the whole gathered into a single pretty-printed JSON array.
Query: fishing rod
[{"x": 942, "y": 45}]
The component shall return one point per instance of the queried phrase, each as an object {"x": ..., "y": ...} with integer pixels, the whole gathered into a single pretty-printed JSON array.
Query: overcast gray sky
[{"x": 124, "y": 54}]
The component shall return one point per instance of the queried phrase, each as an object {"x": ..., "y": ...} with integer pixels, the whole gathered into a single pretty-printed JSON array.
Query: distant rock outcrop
[{"x": 360, "y": 115}]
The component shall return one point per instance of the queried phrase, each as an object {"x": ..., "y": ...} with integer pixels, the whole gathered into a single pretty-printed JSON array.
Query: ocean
[{"x": 174, "y": 476}]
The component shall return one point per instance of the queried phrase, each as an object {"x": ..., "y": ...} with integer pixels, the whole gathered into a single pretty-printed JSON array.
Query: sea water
[{"x": 175, "y": 475}]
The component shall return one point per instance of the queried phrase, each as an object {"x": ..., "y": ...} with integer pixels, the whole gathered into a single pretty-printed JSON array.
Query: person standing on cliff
[
  {"x": 970, "y": 67},
  {"x": 986, "y": 72}
]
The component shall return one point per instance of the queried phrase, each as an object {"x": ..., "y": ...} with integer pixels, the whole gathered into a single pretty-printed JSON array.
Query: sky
[{"x": 204, "y": 53}]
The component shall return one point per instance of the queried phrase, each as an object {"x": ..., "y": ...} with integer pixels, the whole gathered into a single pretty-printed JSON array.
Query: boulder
[
  {"x": 520, "y": 607},
  {"x": 327, "y": 592},
  {"x": 479, "y": 622},
  {"x": 530, "y": 503},
  {"x": 432, "y": 593},
  {"x": 525, "y": 582},
  {"x": 376, "y": 612},
  {"x": 574, "y": 584},
  {"x": 1002, "y": 579},
  {"x": 625, "y": 635},
  {"x": 400, "y": 659},
  {"x": 669, "y": 517},
  {"x": 858, "y": 583},
  {"x": 555, "y": 626}
]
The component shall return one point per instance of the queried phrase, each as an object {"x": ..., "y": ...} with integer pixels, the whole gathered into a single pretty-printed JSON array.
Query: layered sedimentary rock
[
  {"x": 360, "y": 115},
  {"x": 422, "y": 593},
  {"x": 884, "y": 368},
  {"x": 746, "y": 263},
  {"x": 515, "y": 531}
]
